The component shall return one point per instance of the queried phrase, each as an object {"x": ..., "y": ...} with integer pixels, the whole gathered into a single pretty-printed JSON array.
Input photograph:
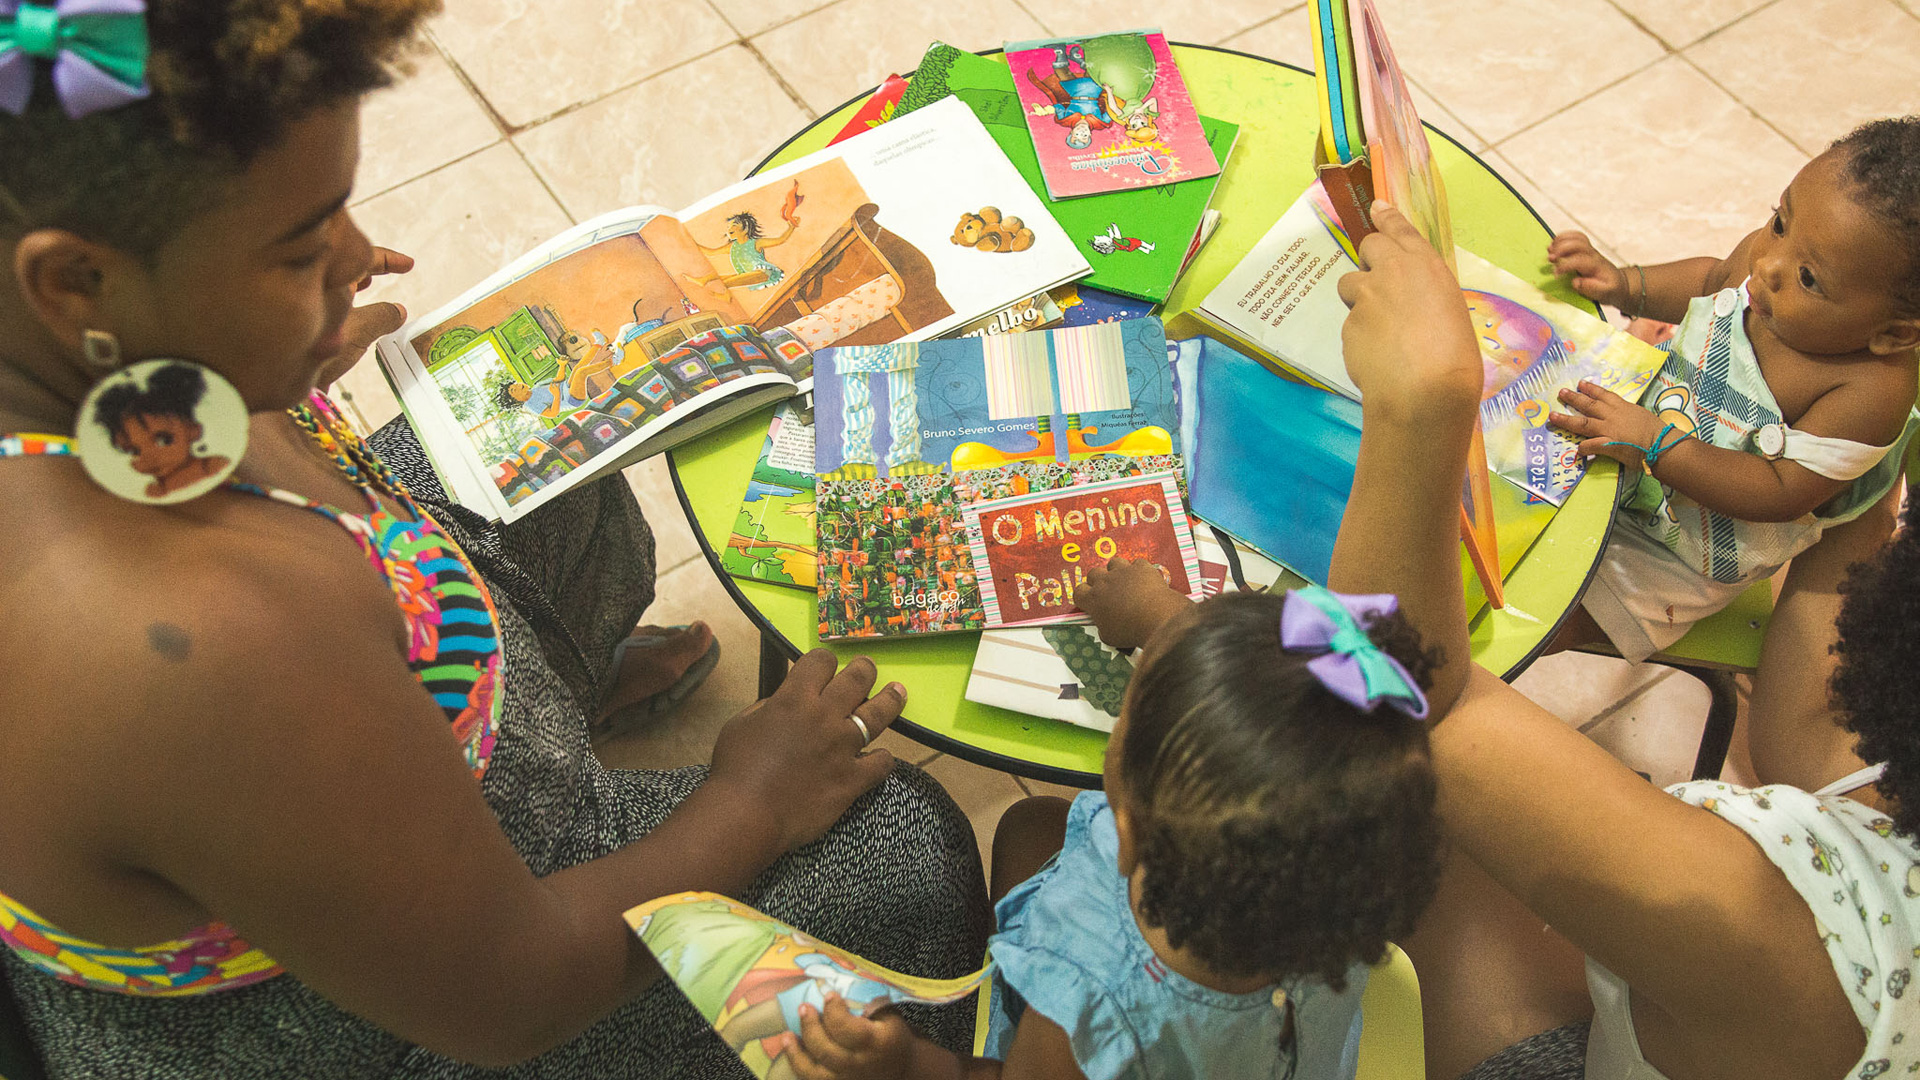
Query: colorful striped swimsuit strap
[{"x": 453, "y": 649}]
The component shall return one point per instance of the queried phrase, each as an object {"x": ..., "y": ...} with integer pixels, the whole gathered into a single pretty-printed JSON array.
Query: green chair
[{"x": 1392, "y": 1039}]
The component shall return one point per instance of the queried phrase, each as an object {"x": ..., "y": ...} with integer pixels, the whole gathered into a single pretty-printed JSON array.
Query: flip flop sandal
[{"x": 630, "y": 717}]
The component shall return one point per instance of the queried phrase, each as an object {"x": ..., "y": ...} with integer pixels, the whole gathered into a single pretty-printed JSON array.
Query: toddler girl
[
  {"x": 1267, "y": 827},
  {"x": 1783, "y": 407}
]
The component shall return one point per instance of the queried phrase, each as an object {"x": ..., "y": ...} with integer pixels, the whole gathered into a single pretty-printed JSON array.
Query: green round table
[{"x": 1271, "y": 164}]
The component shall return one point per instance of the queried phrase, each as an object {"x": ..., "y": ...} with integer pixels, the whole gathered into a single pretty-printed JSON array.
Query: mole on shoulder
[{"x": 169, "y": 641}]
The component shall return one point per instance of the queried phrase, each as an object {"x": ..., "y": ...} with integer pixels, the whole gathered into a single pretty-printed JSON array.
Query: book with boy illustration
[
  {"x": 749, "y": 974},
  {"x": 1108, "y": 113},
  {"x": 908, "y": 436},
  {"x": 1136, "y": 239},
  {"x": 645, "y": 327},
  {"x": 1066, "y": 673}
]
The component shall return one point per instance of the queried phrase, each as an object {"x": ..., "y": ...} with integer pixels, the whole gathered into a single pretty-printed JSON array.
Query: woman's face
[
  {"x": 160, "y": 445},
  {"x": 259, "y": 287}
]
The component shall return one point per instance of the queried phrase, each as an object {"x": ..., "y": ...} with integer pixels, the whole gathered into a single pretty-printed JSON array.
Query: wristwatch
[{"x": 1771, "y": 441}]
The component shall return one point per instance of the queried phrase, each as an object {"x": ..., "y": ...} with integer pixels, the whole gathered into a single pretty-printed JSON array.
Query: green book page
[{"x": 1135, "y": 240}]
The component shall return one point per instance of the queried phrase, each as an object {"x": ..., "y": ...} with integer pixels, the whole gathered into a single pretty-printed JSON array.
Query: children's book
[
  {"x": 1271, "y": 461},
  {"x": 1371, "y": 142},
  {"x": 1030, "y": 551},
  {"x": 877, "y": 110},
  {"x": 1066, "y": 673},
  {"x": 1533, "y": 347},
  {"x": 1084, "y": 305},
  {"x": 908, "y": 436},
  {"x": 639, "y": 330},
  {"x": 1108, "y": 113},
  {"x": 749, "y": 974},
  {"x": 1037, "y": 312},
  {"x": 1135, "y": 238},
  {"x": 772, "y": 539}
]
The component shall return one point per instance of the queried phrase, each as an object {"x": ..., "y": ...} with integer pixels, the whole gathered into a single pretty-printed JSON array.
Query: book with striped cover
[{"x": 908, "y": 435}]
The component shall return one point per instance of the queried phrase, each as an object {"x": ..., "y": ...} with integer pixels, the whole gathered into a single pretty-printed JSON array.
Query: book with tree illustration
[
  {"x": 644, "y": 328},
  {"x": 1136, "y": 239},
  {"x": 908, "y": 436}
]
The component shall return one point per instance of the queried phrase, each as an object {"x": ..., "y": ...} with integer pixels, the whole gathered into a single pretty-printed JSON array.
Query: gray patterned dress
[{"x": 897, "y": 880}]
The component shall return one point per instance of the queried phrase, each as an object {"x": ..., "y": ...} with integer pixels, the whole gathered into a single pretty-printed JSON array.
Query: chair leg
[
  {"x": 773, "y": 665},
  {"x": 1717, "y": 736}
]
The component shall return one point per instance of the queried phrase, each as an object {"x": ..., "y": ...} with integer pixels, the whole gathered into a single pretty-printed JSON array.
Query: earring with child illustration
[{"x": 161, "y": 432}]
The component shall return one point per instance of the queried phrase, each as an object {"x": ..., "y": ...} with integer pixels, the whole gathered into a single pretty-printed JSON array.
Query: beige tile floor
[{"x": 1664, "y": 128}]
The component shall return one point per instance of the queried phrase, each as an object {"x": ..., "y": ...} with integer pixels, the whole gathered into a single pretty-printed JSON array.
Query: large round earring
[
  {"x": 132, "y": 432},
  {"x": 101, "y": 349}
]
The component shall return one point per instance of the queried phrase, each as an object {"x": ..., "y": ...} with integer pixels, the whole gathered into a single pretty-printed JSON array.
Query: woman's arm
[
  {"x": 351, "y": 843},
  {"x": 1664, "y": 894}
]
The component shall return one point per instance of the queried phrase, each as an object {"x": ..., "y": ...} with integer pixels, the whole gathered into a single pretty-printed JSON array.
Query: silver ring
[{"x": 865, "y": 735}]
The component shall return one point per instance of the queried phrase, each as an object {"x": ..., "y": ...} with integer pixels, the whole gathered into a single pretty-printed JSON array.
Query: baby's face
[{"x": 1824, "y": 267}]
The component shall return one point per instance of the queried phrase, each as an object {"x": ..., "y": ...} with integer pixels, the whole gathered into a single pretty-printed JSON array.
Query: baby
[
  {"x": 1267, "y": 826},
  {"x": 1783, "y": 407}
]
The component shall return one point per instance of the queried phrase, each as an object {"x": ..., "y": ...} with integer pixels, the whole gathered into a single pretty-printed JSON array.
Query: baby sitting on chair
[{"x": 1784, "y": 403}]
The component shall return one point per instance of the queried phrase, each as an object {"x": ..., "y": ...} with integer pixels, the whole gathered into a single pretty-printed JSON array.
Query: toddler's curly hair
[
  {"x": 1877, "y": 683},
  {"x": 229, "y": 77},
  {"x": 1281, "y": 832}
]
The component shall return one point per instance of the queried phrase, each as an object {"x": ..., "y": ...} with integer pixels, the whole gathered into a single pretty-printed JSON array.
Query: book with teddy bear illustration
[{"x": 646, "y": 327}]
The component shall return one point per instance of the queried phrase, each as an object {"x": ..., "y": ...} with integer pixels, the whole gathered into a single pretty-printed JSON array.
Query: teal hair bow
[
  {"x": 98, "y": 49},
  {"x": 1321, "y": 621}
]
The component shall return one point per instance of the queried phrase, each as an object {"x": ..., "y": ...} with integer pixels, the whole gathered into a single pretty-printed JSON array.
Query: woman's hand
[
  {"x": 1590, "y": 273},
  {"x": 1602, "y": 417},
  {"x": 837, "y": 1045},
  {"x": 798, "y": 754},
  {"x": 366, "y": 325},
  {"x": 1408, "y": 334},
  {"x": 1128, "y": 599}
]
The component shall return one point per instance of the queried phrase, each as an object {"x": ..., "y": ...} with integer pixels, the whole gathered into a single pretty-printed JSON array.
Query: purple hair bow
[
  {"x": 1327, "y": 623},
  {"x": 98, "y": 49}
]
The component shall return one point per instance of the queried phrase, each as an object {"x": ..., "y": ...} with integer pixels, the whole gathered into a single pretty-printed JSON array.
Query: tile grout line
[
  {"x": 361, "y": 200},
  {"x": 1037, "y": 20},
  {"x": 1268, "y": 21},
  {"x": 565, "y": 210},
  {"x": 1742, "y": 102},
  {"x": 1589, "y": 96},
  {"x": 779, "y": 79},
  {"x": 1612, "y": 710}
]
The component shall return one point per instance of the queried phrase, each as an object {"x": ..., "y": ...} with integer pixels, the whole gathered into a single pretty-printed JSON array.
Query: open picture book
[{"x": 645, "y": 328}]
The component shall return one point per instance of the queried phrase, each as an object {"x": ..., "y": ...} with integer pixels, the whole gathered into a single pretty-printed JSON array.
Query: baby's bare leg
[
  {"x": 1793, "y": 732},
  {"x": 1030, "y": 832}
]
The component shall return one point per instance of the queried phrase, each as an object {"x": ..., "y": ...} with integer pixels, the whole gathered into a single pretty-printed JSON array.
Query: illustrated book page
[
  {"x": 1135, "y": 238},
  {"x": 907, "y": 436},
  {"x": 772, "y": 538},
  {"x": 749, "y": 974}
]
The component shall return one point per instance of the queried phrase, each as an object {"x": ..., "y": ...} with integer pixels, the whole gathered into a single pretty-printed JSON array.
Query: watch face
[{"x": 1771, "y": 440}]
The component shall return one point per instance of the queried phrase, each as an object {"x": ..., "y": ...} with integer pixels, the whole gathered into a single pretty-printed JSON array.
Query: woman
[
  {"x": 1725, "y": 933},
  {"x": 250, "y": 727}
]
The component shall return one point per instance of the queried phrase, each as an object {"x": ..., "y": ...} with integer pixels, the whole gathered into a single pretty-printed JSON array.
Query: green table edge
[{"x": 1545, "y": 585}]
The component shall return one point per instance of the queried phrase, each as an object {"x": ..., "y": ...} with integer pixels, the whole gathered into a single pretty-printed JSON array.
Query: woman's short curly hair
[
  {"x": 229, "y": 77},
  {"x": 1877, "y": 683},
  {"x": 1281, "y": 832}
]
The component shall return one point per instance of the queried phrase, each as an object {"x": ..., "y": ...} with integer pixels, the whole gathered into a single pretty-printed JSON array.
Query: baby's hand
[
  {"x": 1604, "y": 417},
  {"x": 837, "y": 1045},
  {"x": 1128, "y": 600},
  {"x": 1588, "y": 271}
]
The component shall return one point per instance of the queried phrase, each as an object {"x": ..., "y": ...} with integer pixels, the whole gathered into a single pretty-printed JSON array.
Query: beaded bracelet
[{"x": 1660, "y": 445}]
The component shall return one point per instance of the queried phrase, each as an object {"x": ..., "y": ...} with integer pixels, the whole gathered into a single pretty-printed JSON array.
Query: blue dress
[{"x": 1068, "y": 947}]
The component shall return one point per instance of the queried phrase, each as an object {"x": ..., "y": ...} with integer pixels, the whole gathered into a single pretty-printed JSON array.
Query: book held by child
[{"x": 643, "y": 328}]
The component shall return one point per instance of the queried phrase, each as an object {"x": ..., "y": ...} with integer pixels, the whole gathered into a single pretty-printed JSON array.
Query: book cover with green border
[{"x": 1134, "y": 239}]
